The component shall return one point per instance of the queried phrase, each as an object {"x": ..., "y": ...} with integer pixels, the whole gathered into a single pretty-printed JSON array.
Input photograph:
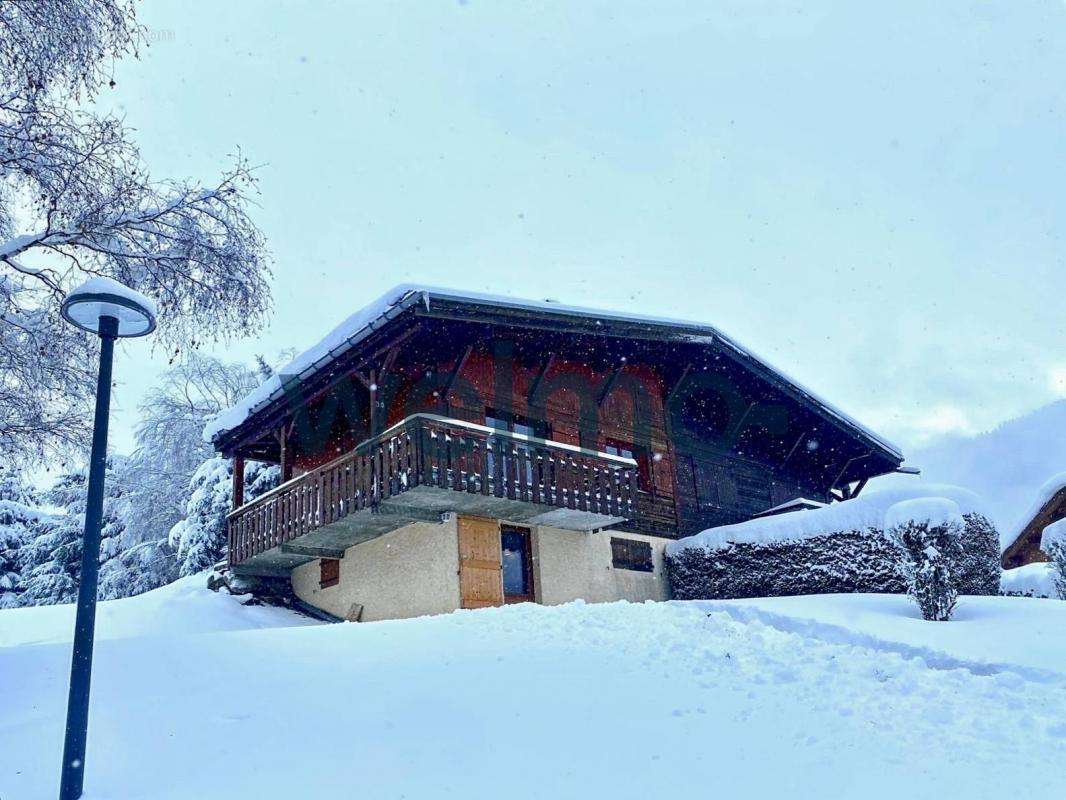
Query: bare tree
[
  {"x": 170, "y": 446},
  {"x": 76, "y": 201}
]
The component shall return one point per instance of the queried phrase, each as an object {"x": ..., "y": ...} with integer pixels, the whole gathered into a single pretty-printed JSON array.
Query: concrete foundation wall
[
  {"x": 414, "y": 571},
  {"x": 410, "y": 572},
  {"x": 570, "y": 565}
]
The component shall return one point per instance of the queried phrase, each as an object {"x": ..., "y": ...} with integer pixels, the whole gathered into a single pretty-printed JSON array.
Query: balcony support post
[{"x": 238, "y": 481}]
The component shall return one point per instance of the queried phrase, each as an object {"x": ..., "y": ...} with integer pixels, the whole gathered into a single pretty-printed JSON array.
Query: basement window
[
  {"x": 329, "y": 572},
  {"x": 631, "y": 554}
]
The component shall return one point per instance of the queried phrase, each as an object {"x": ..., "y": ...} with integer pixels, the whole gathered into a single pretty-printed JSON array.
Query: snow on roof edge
[
  {"x": 351, "y": 330},
  {"x": 1055, "y": 533},
  {"x": 1047, "y": 490}
]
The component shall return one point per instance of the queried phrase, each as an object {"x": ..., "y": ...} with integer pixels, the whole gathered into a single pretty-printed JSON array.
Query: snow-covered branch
[{"x": 76, "y": 200}]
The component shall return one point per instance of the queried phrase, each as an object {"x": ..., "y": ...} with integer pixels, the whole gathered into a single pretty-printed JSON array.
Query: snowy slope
[
  {"x": 183, "y": 607},
  {"x": 1006, "y": 466},
  {"x": 577, "y": 701}
]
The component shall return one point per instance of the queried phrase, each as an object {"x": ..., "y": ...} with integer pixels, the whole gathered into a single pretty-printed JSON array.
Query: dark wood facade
[{"x": 717, "y": 436}]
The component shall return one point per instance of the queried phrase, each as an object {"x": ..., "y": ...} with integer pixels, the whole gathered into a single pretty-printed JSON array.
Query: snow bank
[
  {"x": 618, "y": 701},
  {"x": 863, "y": 513},
  {"x": 186, "y": 606},
  {"x": 987, "y": 635},
  {"x": 1032, "y": 580}
]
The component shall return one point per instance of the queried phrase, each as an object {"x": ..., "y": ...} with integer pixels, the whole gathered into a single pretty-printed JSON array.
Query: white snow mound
[{"x": 931, "y": 511}]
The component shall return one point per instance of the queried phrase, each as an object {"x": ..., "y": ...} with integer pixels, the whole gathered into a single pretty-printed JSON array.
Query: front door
[
  {"x": 480, "y": 580},
  {"x": 495, "y": 563},
  {"x": 517, "y": 565}
]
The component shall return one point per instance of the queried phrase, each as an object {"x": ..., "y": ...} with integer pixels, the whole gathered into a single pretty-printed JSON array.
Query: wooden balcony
[{"x": 417, "y": 470}]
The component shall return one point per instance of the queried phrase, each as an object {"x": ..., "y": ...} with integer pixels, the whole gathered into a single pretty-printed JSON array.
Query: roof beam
[
  {"x": 609, "y": 384},
  {"x": 459, "y": 364},
  {"x": 313, "y": 551},
  {"x": 539, "y": 380},
  {"x": 677, "y": 384}
]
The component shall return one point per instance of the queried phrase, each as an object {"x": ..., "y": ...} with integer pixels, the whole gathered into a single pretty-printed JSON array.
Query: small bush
[{"x": 929, "y": 550}]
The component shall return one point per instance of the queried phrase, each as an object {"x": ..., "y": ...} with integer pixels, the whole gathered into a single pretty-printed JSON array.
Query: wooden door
[{"x": 480, "y": 560}]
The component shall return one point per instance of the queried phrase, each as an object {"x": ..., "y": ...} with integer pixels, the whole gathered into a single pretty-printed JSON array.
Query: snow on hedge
[
  {"x": 862, "y": 513},
  {"x": 930, "y": 511}
]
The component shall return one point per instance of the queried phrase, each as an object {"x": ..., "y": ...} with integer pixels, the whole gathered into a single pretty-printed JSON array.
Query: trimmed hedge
[{"x": 839, "y": 562}]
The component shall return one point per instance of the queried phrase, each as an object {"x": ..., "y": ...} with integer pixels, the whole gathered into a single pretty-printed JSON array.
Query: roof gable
[{"x": 348, "y": 334}]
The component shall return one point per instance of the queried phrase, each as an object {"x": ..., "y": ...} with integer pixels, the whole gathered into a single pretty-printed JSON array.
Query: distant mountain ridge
[{"x": 1006, "y": 466}]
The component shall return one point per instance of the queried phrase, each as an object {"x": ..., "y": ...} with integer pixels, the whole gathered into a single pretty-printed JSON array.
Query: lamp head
[{"x": 99, "y": 298}]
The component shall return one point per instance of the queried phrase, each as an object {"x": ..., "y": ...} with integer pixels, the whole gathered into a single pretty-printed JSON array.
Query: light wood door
[{"x": 480, "y": 559}]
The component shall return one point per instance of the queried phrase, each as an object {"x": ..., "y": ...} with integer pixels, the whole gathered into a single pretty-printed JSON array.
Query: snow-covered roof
[
  {"x": 796, "y": 504},
  {"x": 1044, "y": 495},
  {"x": 1055, "y": 533},
  {"x": 360, "y": 324},
  {"x": 860, "y": 514}
]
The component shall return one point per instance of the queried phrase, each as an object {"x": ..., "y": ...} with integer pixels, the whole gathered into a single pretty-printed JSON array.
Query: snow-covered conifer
[
  {"x": 22, "y": 520},
  {"x": 52, "y": 561},
  {"x": 201, "y": 538}
]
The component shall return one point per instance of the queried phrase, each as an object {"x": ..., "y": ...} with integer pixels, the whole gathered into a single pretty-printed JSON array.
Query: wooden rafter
[
  {"x": 610, "y": 382},
  {"x": 329, "y": 379},
  {"x": 446, "y": 389},
  {"x": 794, "y": 447},
  {"x": 844, "y": 469},
  {"x": 539, "y": 380},
  {"x": 739, "y": 426},
  {"x": 677, "y": 384}
]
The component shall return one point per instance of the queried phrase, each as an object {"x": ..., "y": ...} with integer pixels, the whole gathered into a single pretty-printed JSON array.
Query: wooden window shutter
[{"x": 329, "y": 572}]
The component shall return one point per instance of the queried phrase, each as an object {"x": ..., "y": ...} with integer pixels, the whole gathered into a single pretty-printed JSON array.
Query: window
[
  {"x": 617, "y": 447},
  {"x": 515, "y": 423},
  {"x": 631, "y": 554},
  {"x": 516, "y": 565},
  {"x": 329, "y": 572}
]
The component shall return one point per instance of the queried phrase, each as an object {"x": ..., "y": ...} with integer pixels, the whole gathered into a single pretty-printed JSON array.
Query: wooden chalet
[
  {"x": 1051, "y": 507},
  {"x": 442, "y": 449}
]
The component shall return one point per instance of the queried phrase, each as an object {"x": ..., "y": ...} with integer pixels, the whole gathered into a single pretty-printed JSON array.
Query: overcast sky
[{"x": 869, "y": 196}]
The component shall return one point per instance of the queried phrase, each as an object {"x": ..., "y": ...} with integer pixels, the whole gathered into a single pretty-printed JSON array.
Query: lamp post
[{"x": 110, "y": 310}]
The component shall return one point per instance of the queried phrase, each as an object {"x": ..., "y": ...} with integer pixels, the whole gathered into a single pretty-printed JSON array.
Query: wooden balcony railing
[{"x": 429, "y": 450}]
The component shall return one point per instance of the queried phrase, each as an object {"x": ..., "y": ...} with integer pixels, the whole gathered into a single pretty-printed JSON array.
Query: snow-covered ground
[
  {"x": 819, "y": 697},
  {"x": 184, "y": 607}
]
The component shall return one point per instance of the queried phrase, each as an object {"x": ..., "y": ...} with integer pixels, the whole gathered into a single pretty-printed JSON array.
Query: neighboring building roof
[
  {"x": 397, "y": 300},
  {"x": 1048, "y": 507}
]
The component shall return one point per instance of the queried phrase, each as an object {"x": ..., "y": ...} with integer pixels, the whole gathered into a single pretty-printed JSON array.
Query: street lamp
[{"x": 110, "y": 310}]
